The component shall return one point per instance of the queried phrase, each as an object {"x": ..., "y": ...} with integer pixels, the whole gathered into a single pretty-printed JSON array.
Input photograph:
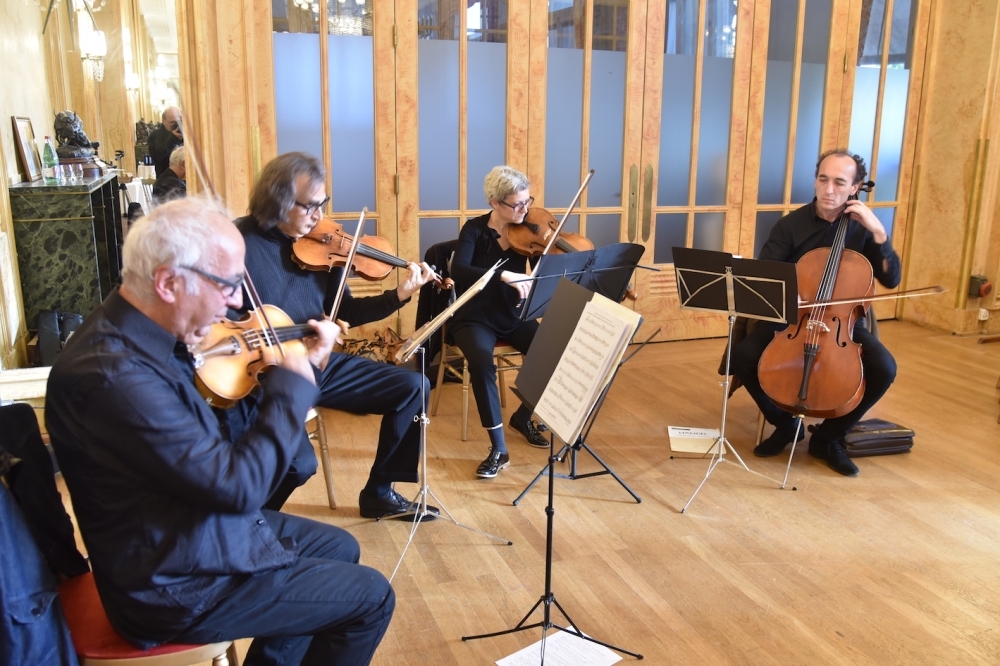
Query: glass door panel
[{"x": 462, "y": 87}]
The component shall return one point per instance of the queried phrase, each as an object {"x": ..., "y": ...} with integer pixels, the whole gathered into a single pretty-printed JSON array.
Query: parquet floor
[{"x": 896, "y": 566}]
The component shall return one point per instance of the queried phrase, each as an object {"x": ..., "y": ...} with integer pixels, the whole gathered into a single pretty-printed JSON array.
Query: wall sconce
[
  {"x": 93, "y": 48},
  {"x": 132, "y": 82}
]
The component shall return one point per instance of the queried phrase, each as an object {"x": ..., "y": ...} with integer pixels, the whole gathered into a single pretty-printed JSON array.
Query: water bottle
[{"x": 49, "y": 162}]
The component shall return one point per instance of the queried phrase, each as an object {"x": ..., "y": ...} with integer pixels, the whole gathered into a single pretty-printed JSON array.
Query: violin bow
[
  {"x": 569, "y": 211},
  {"x": 347, "y": 266},
  {"x": 202, "y": 174},
  {"x": 912, "y": 293}
]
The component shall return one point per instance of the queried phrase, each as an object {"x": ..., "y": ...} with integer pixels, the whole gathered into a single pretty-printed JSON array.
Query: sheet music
[
  {"x": 562, "y": 649},
  {"x": 586, "y": 366}
]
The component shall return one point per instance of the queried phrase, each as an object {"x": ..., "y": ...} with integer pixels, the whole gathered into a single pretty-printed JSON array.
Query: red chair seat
[{"x": 93, "y": 635}]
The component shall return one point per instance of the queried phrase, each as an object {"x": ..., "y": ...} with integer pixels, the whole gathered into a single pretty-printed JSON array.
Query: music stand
[
  {"x": 751, "y": 288},
  {"x": 606, "y": 271},
  {"x": 555, "y": 337},
  {"x": 418, "y": 508}
]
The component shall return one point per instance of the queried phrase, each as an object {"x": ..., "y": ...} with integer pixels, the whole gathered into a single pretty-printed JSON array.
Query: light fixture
[
  {"x": 131, "y": 81},
  {"x": 93, "y": 47}
]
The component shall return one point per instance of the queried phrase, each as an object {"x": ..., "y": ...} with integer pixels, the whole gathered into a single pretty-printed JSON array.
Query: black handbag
[{"x": 876, "y": 437}]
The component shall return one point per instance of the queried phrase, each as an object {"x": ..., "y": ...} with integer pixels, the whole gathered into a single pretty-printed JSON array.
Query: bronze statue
[{"x": 73, "y": 142}]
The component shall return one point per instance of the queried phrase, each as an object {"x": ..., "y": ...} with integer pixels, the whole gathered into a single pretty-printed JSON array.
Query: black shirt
[
  {"x": 168, "y": 186},
  {"x": 303, "y": 294},
  {"x": 160, "y": 143},
  {"x": 168, "y": 507},
  {"x": 802, "y": 231},
  {"x": 496, "y": 305}
]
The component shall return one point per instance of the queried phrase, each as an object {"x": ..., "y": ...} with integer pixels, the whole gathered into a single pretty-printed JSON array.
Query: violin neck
[
  {"x": 284, "y": 333},
  {"x": 379, "y": 255}
]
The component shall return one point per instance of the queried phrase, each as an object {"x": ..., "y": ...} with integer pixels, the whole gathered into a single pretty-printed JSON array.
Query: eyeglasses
[
  {"x": 226, "y": 287},
  {"x": 520, "y": 205},
  {"x": 311, "y": 208}
]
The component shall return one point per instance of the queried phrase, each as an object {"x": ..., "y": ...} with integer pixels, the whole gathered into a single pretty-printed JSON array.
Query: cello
[{"x": 813, "y": 367}]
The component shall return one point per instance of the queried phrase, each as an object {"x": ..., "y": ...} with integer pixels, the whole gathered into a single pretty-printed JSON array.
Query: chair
[
  {"x": 98, "y": 644},
  {"x": 318, "y": 433},
  {"x": 503, "y": 355},
  {"x": 94, "y": 640},
  {"x": 147, "y": 189}
]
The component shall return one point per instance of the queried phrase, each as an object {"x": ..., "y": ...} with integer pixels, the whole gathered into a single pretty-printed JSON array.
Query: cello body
[{"x": 813, "y": 367}]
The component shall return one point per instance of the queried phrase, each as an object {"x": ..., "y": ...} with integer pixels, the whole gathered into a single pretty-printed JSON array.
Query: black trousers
[
  {"x": 877, "y": 363},
  {"x": 362, "y": 386},
  {"x": 477, "y": 343},
  {"x": 325, "y": 609}
]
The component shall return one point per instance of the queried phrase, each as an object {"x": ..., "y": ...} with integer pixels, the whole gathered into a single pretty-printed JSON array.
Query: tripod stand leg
[
  {"x": 576, "y": 632},
  {"x": 799, "y": 424},
  {"x": 543, "y": 472},
  {"x": 607, "y": 470},
  {"x": 717, "y": 457},
  {"x": 418, "y": 509}
]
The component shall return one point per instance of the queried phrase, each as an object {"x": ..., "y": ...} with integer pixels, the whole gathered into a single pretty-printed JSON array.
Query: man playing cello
[{"x": 839, "y": 174}]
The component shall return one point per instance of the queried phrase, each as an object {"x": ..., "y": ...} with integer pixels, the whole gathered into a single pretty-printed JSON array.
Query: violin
[
  {"x": 532, "y": 236},
  {"x": 813, "y": 368},
  {"x": 231, "y": 358},
  {"x": 327, "y": 245}
]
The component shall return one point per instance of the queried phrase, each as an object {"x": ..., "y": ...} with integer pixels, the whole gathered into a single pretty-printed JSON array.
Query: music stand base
[
  {"x": 573, "y": 476},
  {"x": 547, "y": 601},
  {"x": 548, "y": 598}
]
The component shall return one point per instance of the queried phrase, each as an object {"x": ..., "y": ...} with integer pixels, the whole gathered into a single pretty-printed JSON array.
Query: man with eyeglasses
[
  {"x": 165, "y": 139},
  {"x": 287, "y": 203},
  {"x": 170, "y": 507}
]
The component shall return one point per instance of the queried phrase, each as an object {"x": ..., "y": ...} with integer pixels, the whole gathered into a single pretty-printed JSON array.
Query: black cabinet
[{"x": 68, "y": 240}]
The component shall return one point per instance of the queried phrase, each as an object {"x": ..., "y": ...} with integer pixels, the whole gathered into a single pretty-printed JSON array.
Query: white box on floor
[{"x": 692, "y": 442}]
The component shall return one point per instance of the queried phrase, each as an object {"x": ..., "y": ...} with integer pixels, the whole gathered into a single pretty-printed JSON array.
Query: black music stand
[
  {"x": 751, "y": 288},
  {"x": 605, "y": 271},
  {"x": 537, "y": 370}
]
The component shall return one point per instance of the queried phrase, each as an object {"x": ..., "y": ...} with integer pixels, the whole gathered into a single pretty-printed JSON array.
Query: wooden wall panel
[{"x": 951, "y": 161}]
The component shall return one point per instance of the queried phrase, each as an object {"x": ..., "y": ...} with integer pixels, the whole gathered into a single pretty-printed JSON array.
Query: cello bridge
[{"x": 814, "y": 324}]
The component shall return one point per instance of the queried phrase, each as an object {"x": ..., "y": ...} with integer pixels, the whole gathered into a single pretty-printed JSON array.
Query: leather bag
[{"x": 876, "y": 437}]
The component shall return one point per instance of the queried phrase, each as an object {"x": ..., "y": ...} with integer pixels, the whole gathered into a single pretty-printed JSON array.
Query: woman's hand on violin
[
  {"x": 864, "y": 215},
  {"x": 417, "y": 276},
  {"x": 519, "y": 281}
]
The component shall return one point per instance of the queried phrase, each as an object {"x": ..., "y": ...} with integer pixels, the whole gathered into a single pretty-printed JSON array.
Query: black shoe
[
  {"x": 836, "y": 458},
  {"x": 532, "y": 432},
  {"x": 379, "y": 506},
  {"x": 494, "y": 462},
  {"x": 776, "y": 443}
]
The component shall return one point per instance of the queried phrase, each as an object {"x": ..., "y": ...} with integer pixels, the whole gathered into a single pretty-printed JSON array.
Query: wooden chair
[
  {"x": 506, "y": 358},
  {"x": 98, "y": 644},
  {"x": 318, "y": 433}
]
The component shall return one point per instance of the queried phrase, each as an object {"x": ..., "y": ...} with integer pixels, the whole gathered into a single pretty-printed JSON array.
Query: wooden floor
[{"x": 896, "y": 566}]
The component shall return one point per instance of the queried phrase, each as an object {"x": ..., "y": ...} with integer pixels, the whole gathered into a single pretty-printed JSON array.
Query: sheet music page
[{"x": 585, "y": 367}]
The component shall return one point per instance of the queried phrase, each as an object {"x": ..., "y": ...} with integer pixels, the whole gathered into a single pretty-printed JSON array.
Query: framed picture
[{"x": 27, "y": 150}]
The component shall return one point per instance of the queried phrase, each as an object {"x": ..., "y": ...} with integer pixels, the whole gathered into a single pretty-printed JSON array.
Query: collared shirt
[
  {"x": 303, "y": 294},
  {"x": 802, "y": 231},
  {"x": 169, "y": 509},
  {"x": 496, "y": 305}
]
